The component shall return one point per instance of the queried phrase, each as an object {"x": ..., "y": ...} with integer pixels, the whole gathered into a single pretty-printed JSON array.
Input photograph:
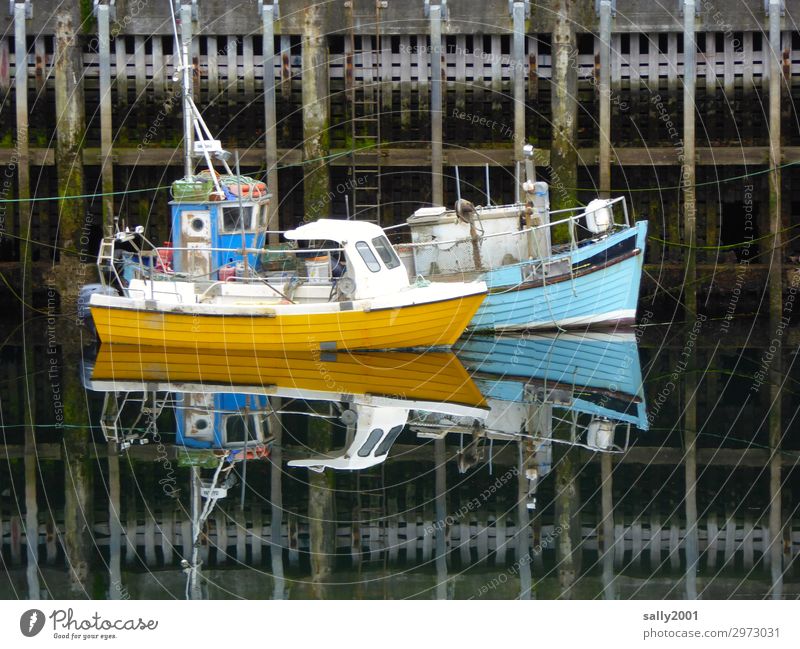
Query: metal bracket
[
  {"x": 112, "y": 8},
  {"x": 28, "y": 8},
  {"x": 782, "y": 4},
  {"x": 527, "y": 4},
  {"x": 613, "y": 4},
  {"x": 195, "y": 11},
  {"x": 442, "y": 4},
  {"x": 682, "y": 4},
  {"x": 273, "y": 6}
]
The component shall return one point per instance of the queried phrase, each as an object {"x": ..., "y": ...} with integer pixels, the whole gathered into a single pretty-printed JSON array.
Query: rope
[
  {"x": 36, "y": 199},
  {"x": 340, "y": 154}
]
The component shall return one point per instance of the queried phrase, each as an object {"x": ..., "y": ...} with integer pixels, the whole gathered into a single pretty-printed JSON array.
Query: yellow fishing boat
[{"x": 369, "y": 304}]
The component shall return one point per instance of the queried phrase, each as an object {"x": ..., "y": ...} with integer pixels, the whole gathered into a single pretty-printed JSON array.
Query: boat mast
[{"x": 182, "y": 44}]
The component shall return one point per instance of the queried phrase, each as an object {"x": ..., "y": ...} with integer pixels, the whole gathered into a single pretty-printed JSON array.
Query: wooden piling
[
  {"x": 775, "y": 56},
  {"x": 518, "y": 77},
  {"x": 270, "y": 120},
  {"x": 106, "y": 127},
  {"x": 23, "y": 154},
  {"x": 564, "y": 102},
  {"x": 316, "y": 182},
  {"x": 70, "y": 133},
  {"x": 604, "y": 99},
  {"x": 775, "y": 287},
  {"x": 437, "y": 156},
  {"x": 688, "y": 177}
]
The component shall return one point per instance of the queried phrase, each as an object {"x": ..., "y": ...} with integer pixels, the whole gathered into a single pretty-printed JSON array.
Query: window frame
[
  {"x": 394, "y": 260},
  {"x": 372, "y": 441},
  {"x": 248, "y": 215},
  {"x": 360, "y": 246},
  {"x": 388, "y": 441}
]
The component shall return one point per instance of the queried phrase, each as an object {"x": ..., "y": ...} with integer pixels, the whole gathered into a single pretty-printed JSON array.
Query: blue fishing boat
[{"x": 590, "y": 279}]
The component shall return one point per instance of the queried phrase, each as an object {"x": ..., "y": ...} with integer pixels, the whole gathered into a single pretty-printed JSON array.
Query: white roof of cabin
[{"x": 335, "y": 230}]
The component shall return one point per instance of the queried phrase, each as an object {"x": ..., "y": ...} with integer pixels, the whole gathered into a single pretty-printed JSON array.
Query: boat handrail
[{"x": 551, "y": 224}]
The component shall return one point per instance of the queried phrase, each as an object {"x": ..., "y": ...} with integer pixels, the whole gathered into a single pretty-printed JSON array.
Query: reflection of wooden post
[
  {"x": 568, "y": 541},
  {"x": 607, "y": 503},
  {"x": 114, "y": 524},
  {"x": 78, "y": 508},
  {"x": 775, "y": 551},
  {"x": 690, "y": 539},
  {"x": 524, "y": 558},
  {"x": 31, "y": 508},
  {"x": 276, "y": 503},
  {"x": 440, "y": 458},
  {"x": 321, "y": 523}
]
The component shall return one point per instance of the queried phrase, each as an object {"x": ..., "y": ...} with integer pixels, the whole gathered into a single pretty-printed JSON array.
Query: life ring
[{"x": 255, "y": 190}]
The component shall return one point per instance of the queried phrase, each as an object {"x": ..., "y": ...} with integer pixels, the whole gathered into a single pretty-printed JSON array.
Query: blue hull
[
  {"x": 603, "y": 289},
  {"x": 601, "y": 370}
]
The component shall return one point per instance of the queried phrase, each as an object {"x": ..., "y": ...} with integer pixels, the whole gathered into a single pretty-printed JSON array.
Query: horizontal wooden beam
[{"x": 420, "y": 156}]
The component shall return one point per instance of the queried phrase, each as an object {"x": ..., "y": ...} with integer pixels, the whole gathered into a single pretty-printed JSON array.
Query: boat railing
[{"x": 571, "y": 221}]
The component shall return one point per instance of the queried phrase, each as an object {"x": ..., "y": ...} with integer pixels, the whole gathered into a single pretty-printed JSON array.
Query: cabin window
[
  {"x": 239, "y": 429},
  {"x": 390, "y": 439},
  {"x": 372, "y": 440},
  {"x": 231, "y": 221},
  {"x": 367, "y": 255},
  {"x": 386, "y": 252},
  {"x": 264, "y": 211}
]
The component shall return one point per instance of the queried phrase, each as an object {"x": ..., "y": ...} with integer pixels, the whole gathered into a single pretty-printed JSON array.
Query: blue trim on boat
[{"x": 603, "y": 288}]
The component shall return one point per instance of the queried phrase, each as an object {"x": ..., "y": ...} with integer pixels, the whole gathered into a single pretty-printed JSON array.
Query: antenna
[
  {"x": 488, "y": 190},
  {"x": 458, "y": 184}
]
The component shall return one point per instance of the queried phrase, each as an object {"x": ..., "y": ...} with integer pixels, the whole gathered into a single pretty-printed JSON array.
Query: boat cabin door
[{"x": 196, "y": 235}]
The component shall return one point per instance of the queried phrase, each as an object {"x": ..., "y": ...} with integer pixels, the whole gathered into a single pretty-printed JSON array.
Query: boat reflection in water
[
  {"x": 523, "y": 394},
  {"x": 227, "y": 409},
  {"x": 582, "y": 390}
]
